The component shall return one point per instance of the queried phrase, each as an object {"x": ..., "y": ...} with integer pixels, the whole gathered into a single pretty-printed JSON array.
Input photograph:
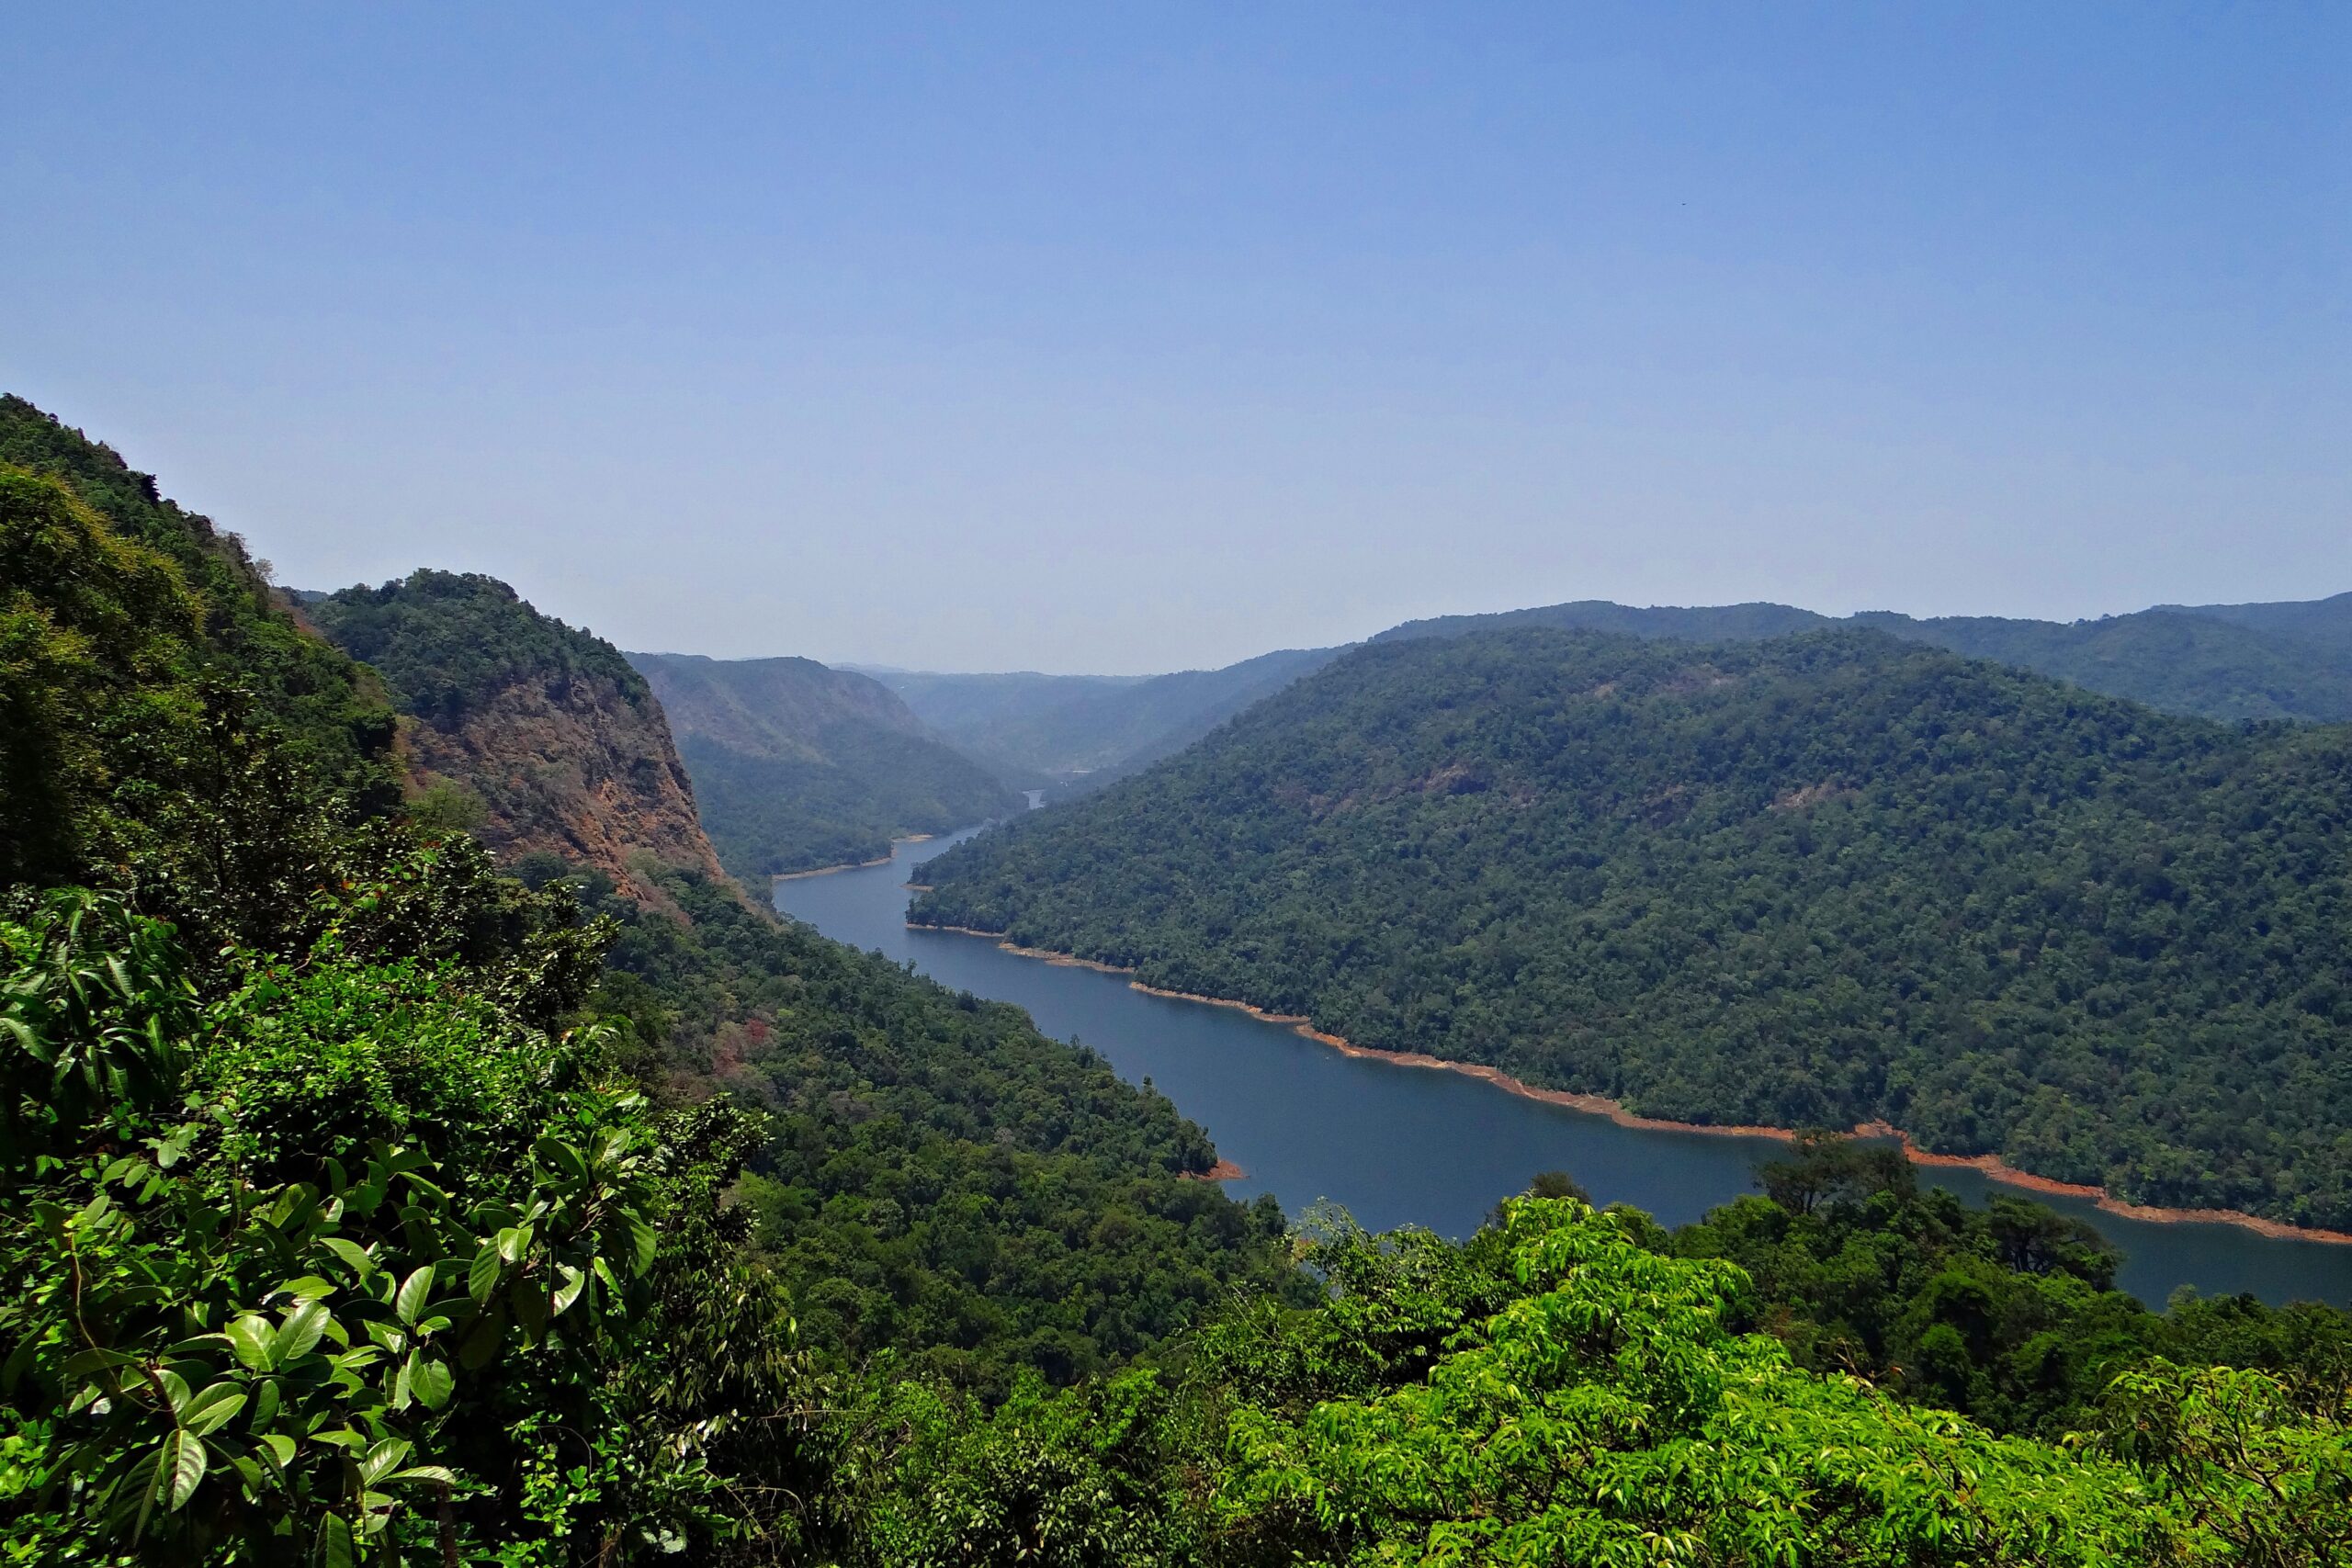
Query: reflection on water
[{"x": 1403, "y": 1146}]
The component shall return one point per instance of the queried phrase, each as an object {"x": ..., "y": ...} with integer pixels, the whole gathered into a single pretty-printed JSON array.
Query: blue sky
[{"x": 1139, "y": 337}]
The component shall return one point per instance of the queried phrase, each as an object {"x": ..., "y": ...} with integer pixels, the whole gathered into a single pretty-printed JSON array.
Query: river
[{"x": 1401, "y": 1146}]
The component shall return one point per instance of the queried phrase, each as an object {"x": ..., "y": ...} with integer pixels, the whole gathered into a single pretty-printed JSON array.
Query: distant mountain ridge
[
  {"x": 542, "y": 728},
  {"x": 1078, "y": 732},
  {"x": 798, "y": 766},
  {"x": 2288, "y": 661}
]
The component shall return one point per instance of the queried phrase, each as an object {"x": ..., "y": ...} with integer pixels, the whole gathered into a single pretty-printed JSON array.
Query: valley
[{"x": 1399, "y": 1145}]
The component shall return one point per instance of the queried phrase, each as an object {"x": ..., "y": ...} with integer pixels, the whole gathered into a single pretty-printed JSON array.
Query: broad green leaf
[
  {"x": 300, "y": 1334},
  {"x": 175, "y": 1388},
  {"x": 413, "y": 1294},
  {"x": 513, "y": 1242},
  {"x": 335, "y": 1543},
  {"x": 352, "y": 1253},
  {"x": 250, "y": 1338},
  {"x": 482, "y": 1276},
  {"x": 562, "y": 1158},
  {"x": 431, "y": 1382},
  {"x": 88, "y": 1361},
  {"x": 641, "y": 1242},
  {"x": 383, "y": 1459},
  {"x": 179, "y": 1469},
  {"x": 280, "y": 1446},
  {"x": 207, "y": 1410}
]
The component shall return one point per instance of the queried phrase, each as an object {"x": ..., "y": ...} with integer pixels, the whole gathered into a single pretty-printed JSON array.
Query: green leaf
[
  {"x": 207, "y": 1410},
  {"x": 641, "y": 1242},
  {"x": 513, "y": 1242},
  {"x": 352, "y": 1253},
  {"x": 434, "y": 1472},
  {"x": 179, "y": 1469},
  {"x": 250, "y": 1338},
  {"x": 300, "y": 1334},
  {"x": 482, "y": 1275},
  {"x": 175, "y": 1389},
  {"x": 335, "y": 1543},
  {"x": 574, "y": 1281},
  {"x": 280, "y": 1446},
  {"x": 562, "y": 1158},
  {"x": 481, "y": 1346},
  {"x": 414, "y": 1291},
  {"x": 530, "y": 1305},
  {"x": 88, "y": 1361},
  {"x": 383, "y": 1459},
  {"x": 431, "y": 1382}
]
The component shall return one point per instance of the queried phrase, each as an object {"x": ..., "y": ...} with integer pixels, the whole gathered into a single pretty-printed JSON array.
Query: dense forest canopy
[
  {"x": 360, "y": 1203},
  {"x": 2225, "y": 661},
  {"x": 447, "y": 642},
  {"x": 1817, "y": 881},
  {"x": 797, "y": 766}
]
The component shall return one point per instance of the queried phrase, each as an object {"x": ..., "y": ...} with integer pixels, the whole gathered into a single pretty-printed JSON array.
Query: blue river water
[{"x": 1399, "y": 1144}]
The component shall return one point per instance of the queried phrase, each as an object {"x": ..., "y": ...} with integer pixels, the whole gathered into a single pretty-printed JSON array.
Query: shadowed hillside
[
  {"x": 1078, "y": 732},
  {"x": 798, "y": 766}
]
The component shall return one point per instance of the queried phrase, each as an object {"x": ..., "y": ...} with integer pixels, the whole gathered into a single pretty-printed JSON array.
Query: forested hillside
[
  {"x": 532, "y": 734},
  {"x": 360, "y": 1205},
  {"x": 1817, "y": 881},
  {"x": 1075, "y": 733},
  {"x": 797, "y": 766},
  {"x": 2225, "y": 661}
]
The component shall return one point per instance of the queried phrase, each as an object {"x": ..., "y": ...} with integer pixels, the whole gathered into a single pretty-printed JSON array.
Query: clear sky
[{"x": 1137, "y": 337}]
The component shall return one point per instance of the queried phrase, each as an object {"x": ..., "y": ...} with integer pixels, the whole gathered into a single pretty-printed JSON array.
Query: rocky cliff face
[{"x": 537, "y": 735}]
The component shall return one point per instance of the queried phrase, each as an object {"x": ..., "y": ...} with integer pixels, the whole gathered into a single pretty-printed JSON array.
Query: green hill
[
  {"x": 2326, "y": 622},
  {"x": 1817, "y": 881},
  {"x": 1073, "y": 733},
  {"x": 2225, "y": 661},
  {"x": 797, "y": 766}
]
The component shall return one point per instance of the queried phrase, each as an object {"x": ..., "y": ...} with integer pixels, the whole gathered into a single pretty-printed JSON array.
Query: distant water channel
[{"x": 1402, "y": 1146}]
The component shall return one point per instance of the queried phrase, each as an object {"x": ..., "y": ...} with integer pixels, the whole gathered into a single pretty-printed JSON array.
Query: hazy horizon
[{"x": 1079, "y": 341}]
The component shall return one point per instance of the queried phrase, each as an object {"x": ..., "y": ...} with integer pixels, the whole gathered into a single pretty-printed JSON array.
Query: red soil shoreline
[{"x": 1991, "y": 1165}]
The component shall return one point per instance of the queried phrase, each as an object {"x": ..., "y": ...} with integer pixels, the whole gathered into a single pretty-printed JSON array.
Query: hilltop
[
  {"x": 2225, "y": 661},
  {"x": 535, "y": 735}
]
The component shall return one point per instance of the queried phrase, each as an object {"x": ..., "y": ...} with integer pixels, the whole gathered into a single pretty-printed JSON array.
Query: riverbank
[
  {"x": 1991, "y": 1166},
  {"x": 776, "y": 876}
]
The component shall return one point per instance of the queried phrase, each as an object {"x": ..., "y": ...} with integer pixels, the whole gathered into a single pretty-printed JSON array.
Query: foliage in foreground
[{"x": 347, "y": 1258}]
